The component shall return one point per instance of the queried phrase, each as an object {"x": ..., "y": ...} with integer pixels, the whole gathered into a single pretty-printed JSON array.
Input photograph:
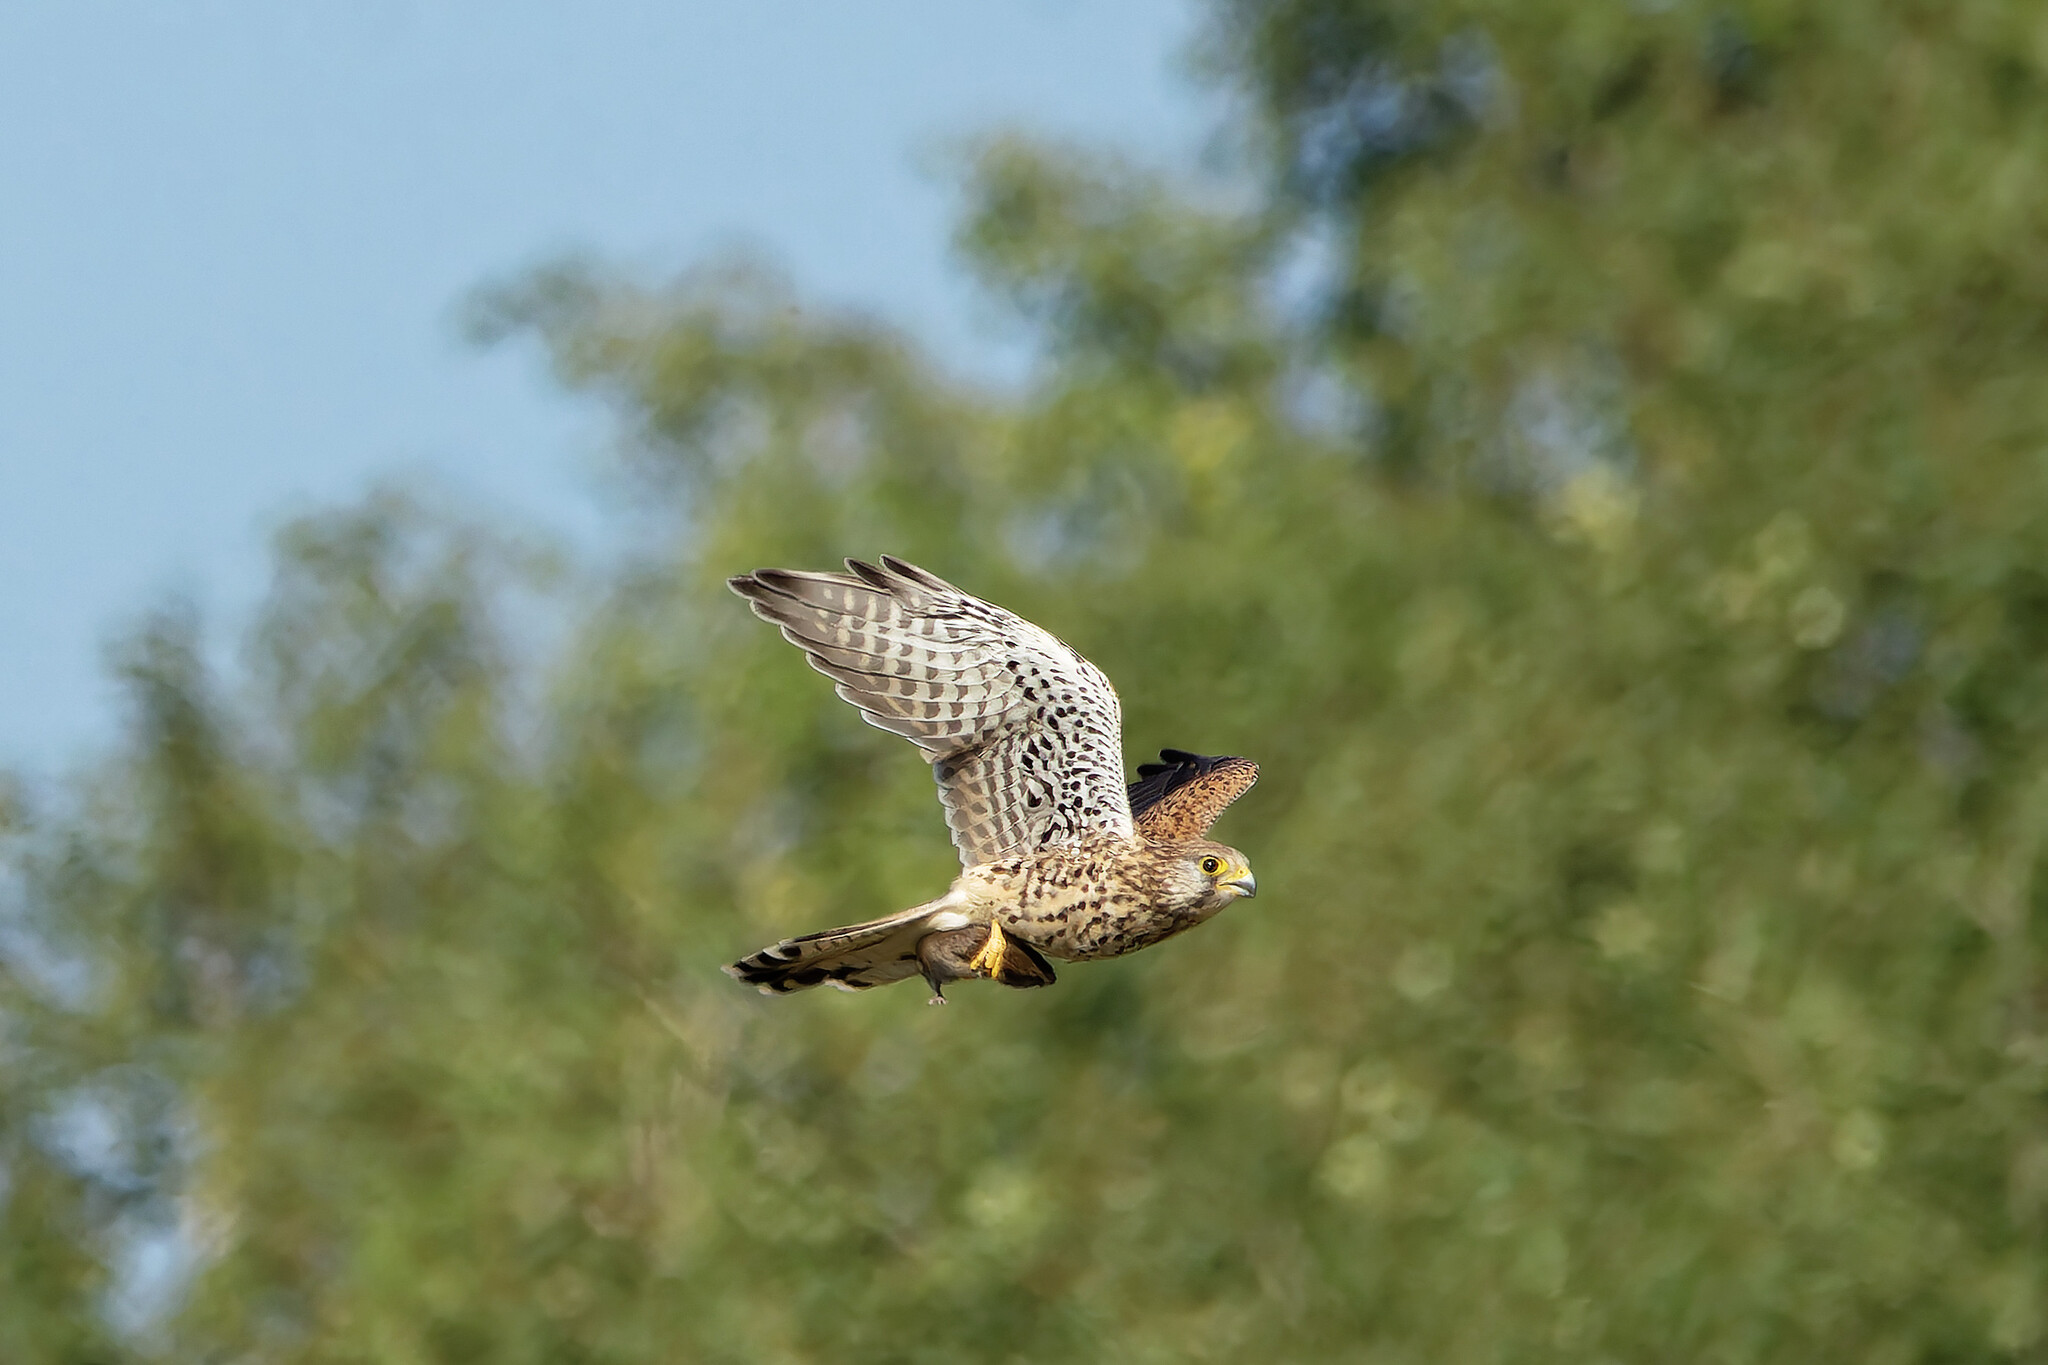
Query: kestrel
[{"x": 1025, "y": 737}]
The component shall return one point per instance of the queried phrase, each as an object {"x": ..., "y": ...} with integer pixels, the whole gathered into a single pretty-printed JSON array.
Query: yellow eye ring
[{"x": 1211, "y": 865}]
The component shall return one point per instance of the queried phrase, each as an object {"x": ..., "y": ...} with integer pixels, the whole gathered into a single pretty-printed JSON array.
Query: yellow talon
[{"x": 989, "y": 961}]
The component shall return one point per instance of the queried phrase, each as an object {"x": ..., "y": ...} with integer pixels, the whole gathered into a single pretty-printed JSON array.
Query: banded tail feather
[{"x": 927, "y": 940}]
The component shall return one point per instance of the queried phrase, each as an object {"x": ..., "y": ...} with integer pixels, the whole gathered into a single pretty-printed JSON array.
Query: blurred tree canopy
[{"x": 1600, "y": 471}]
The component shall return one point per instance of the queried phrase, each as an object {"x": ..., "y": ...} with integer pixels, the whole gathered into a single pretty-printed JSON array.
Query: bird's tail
[
  {"x": 932, "y": 939},
  {"x": 853, "y": 958}
]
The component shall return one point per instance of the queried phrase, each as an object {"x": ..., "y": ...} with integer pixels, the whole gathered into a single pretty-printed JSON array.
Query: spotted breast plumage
[{"x": 1059, "y": 859}]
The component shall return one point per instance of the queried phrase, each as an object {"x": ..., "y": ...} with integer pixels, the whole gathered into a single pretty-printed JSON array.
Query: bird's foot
[{"x": 989, "y": 961}]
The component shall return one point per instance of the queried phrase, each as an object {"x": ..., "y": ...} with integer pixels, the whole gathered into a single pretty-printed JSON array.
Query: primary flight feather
[{"x": 1025, "y": 737}]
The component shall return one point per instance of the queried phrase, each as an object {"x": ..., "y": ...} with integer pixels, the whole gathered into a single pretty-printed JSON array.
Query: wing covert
[
  {"x": 1025, "y": 737},
  {"x": 1181, "y": 796}
]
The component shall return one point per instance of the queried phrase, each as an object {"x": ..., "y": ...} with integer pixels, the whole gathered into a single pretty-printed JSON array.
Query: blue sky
[{"x": 234, "y": 234}]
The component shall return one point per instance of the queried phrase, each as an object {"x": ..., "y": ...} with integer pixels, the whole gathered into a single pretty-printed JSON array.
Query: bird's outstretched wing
[
  {"x": 1181, "y": 796},
  {"x": 1024, "y": 735}
]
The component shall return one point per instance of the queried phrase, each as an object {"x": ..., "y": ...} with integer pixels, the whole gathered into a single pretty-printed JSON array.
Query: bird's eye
[{"x": 1211, "y": 865}]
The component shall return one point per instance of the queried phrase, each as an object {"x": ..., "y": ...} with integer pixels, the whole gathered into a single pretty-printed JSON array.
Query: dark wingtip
[
  {"x": 924, "y": 578},
  {"x": 760, "y": 583},
  {"x": 1157, "y": 781},
  {"x": 1178, "y": 760},
  {"x": 869, "y": 574},
  {"x": 764, "y": 588}
]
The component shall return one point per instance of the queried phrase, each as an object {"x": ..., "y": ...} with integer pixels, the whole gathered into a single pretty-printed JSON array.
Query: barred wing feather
[
  {"x": 1025, "y": 737},
  {"x": 1180, "y": 796}
]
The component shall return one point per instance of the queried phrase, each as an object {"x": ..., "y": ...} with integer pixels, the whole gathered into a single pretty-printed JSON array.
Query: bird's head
[{"x": 1205, "y": 877}]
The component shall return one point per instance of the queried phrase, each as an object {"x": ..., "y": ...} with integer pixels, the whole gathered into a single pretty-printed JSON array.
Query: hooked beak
[{"x": 1246, "y": 886}]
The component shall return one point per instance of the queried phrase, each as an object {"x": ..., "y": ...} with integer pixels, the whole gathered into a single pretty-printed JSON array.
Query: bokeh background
[{"x": 1594, "y": 456}]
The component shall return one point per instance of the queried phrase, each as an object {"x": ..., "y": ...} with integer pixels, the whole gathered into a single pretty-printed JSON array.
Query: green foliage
[{"x": 1628, "y": 561}]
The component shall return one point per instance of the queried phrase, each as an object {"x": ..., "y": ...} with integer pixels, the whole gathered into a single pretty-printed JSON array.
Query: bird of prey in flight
[{"x": 1058, "y": 858}]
